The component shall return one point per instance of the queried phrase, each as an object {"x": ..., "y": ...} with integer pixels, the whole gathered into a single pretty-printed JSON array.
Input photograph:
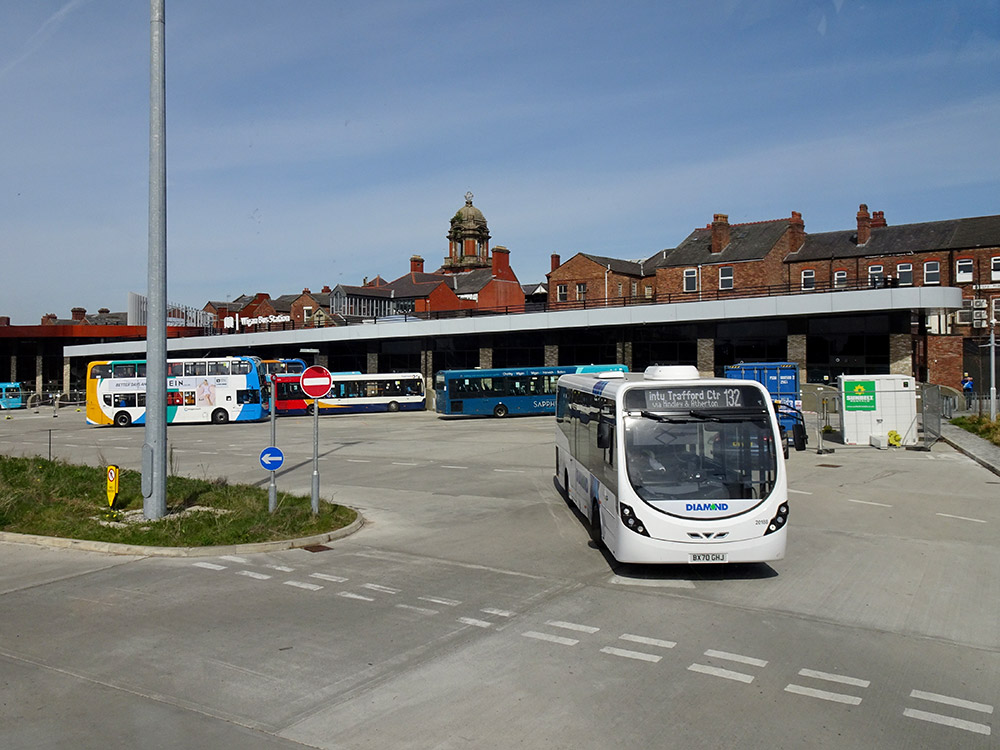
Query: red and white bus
[{"x": 351, "y": 393}]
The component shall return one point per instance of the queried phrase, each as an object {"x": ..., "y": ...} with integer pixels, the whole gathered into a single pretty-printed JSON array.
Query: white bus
[
  {"x": 352, "y": 392},
  {"x": 669, "y": 467},
  {"x": 219, "y": 390}
]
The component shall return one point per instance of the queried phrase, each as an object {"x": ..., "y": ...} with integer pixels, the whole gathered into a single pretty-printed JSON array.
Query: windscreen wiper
[{"x": 743, "y": 415}]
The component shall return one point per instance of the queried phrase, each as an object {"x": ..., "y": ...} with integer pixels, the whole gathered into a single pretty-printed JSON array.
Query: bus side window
[
  {"x": 140, "y": 369},
  {"x": 175, "y": 369},
  {"x": 100, "y": 371}
]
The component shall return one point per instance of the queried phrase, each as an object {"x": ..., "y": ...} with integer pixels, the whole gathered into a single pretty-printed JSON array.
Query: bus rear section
[
  {"x": 499, "y": 392},
  {"x": 668, "y": 467}
]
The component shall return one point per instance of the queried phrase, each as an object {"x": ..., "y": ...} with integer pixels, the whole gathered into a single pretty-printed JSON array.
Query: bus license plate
[{"x": 708, "y": 557}]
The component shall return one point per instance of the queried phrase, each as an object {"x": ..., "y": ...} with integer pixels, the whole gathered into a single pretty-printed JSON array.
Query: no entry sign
[{"x": 316, "y": 381}]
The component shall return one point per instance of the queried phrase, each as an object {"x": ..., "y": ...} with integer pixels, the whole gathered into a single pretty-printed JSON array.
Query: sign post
[
  {"x": 315, "y": 382},
  {"x": 272, "y": 490},
  {"x": 271, "y": 459}
]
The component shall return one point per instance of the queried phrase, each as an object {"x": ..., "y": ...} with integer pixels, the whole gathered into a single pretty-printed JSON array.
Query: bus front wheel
[
  {"x": 220, "y": 416},
  {"x": 499, "y": 410},
  {"x": 310, "y": 409},
  {"x": 122, "y": 419},
  {"x": 393, "y": 406},
  {"x": 595, "y": 521}
]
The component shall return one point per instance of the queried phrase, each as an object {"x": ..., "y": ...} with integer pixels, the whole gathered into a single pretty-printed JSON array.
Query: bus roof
[{"x": 496, "y": 372}]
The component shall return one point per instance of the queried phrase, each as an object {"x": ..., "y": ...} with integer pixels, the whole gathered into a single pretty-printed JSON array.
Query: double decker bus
[
  {"x": 12, "y": 396},
  {"x": 282, "y": 366},
  {"x": 219, "y": 390},
  {"x": 669, "y": 467},
  {"x": 352, "y": 392},
  {"x": 503, "y": 391}
]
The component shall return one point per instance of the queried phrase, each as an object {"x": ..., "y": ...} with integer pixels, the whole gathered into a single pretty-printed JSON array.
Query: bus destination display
[{"x": 694, "y": 397}]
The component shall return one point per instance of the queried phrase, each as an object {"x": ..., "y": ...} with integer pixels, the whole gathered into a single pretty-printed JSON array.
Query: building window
[
  {"x": 621, "y": 288},
  {"x": 995, "y": 268},
  {"x": 635, "y": 288},
  {"x": 690, "y": 279},
  {"x": 306, "y": 313},
  {"x": 904, "y": 274},
  {"x": 963, "y": 270},
  {"x": 726, "y": 277},
  {"x": 581, "y": 290},
  {"x": 561, "y": 293},
  {"x": 808, "y": 279},
  {"x": 839, "y": 279},
  {"x": 932, "y": 272},
  {"x": 876, "y": 277},
  {"x": 649, "y": 292}
]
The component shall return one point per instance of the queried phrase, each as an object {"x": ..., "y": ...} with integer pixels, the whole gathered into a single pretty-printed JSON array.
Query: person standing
[{"x": 968, "y": 386}]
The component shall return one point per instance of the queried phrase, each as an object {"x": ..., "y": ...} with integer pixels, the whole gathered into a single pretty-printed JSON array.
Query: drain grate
[{"x": 317, "y": 548}]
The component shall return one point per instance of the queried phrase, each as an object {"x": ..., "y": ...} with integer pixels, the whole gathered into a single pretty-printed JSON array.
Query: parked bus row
[{"x": 238, "y": 389}]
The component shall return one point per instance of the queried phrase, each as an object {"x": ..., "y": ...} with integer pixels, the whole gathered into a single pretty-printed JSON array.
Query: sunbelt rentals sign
[{"x": 859, "y": 395}]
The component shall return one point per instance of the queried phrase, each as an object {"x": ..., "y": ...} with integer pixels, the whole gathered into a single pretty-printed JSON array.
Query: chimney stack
[
  {"x": 78, "y": 314},
  {"x": 326, "y": 289},
  {"x": 103, "y": 311},
  {"x": 796, "y": 232},
  {"x": 306, "y": 291},
  {"x": 864, "y": 224},
  {"x": 720, "y": 232},
  {"x": 501, "y": 261},
  {"x": 416, "y": 264},
  {"x": 4, "y": 321},
  {"x": 878, "y": 219},
  {"x": 555, "y": 262}
]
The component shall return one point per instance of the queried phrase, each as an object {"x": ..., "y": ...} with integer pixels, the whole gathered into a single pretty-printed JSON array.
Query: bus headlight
[
  {"x": 779, "y": 520},
  {"x": 632, "y": 523}
]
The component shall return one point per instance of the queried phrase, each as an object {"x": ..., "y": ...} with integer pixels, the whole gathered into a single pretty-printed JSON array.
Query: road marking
[
  {"x": 961, "y": 518},
  {"x": 253, "y": 574},
  {"x": 421, "y": 610},
  {"x": 497, "y": 612},
  {"x": 376, "y": 587},
  {"x": 404, "y": 463},
  {"x": 947, "y": 700},
  {"x": 834, "y": 678},
  {"x": 509, "y": 471},
  {"x": 209, "y": 566},
  {"x": 349, "y": 595},
  {"x": 358, "y": 461},
  {"x": 436, "y": 600},
  {"x": 851, "y": 700},
  {"x": 798, "y": 492},
  {"x": 282, "y": 568},
  {"x": 233, "y": 558},
  {"x": 572, "y": 626},
  {"x": 866, "y": 502},
  {"x": 551, "y": 638},
  {"x": 443, "y": 466},
  {"x": 647, "y": 641},
  {"x": 631, "y": 654},
  {"x": 717, "y": 672},
  {"x": 327, "y": 577},
  {"x": 970, "y": 726},
  {"x": 301, "y": 585},
  {"x": 736, "y": 657},
  {"x": 653, "y": 583},
  {"x": 473, "y": 621}
]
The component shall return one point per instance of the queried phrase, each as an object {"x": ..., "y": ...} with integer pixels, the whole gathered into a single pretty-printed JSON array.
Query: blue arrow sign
[{"x": 272, "y": 458}]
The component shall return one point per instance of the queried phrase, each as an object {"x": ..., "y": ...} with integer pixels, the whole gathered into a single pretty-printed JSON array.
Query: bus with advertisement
[
  {"x": 669, "y": 467},
  {"x": 503, "y": 391},
  {"x": 352, "y": 392},
  {"x": 216, "y": 390}
]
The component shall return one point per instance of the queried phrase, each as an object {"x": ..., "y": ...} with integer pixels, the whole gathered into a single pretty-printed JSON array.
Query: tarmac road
[{"x": 472, "y": 610}]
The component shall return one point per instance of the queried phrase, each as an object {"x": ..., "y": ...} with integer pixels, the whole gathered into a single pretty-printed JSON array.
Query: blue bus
[
  {"x": 11, "y": 396},
  {"x": 505, "y": 390}
]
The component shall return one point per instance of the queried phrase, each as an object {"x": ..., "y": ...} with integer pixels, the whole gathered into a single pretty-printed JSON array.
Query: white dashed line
[
  {"x": 421, "y": 610},
  {"x": 327, "y": 577},
  {"x": 961, "y": 518},
  {"x": 652, "y": 582},
  {"x": 843, "y": 680},
  {"x": 969, "y": 726},
  {"x": 798, "y": 492},
  {"x": 473, "y": 621},
  {"x": 509, "y": 471},
  {"x": 358, "y": 461},
  {"x": 453, "y": 467},
  {"x": 404, "y": 463},
  {"x": 436, "y": 600},
  {"x": 825, "y": 695},
  {"x": 497, "y": 612},
  {"x": 647, "y": 641},
  {"x": 350, "y": 595},
  {"x": 282, "y": 568},
  {"x": 209, "y": 566},
  {"x": 737, "y": 658},
  {"x": 253, "y": 574},
  {"x": 949, "y": 701},
  {"x": 866, "y": 502},
  {"x": 572, "y": 626},
  {"x": 631, "y": 654},
  {"x": 551, "y": 638},
  {"x": 717, "y": 672},
  {"x": 382, "y": 589},
  {"x": 301, "y": 585},
  {"x": 233, "y": 558}
]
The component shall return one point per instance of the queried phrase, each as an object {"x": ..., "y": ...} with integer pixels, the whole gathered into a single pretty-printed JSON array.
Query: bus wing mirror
[
  {"x": 604, "y": 435},
  {"x": 799, "y": 436}
]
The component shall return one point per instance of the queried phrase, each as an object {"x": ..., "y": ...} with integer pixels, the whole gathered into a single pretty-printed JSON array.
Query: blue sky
[{"x": 314, "y": 142}]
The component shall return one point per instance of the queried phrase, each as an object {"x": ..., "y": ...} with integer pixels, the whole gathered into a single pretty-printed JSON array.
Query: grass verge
[
  {"x": 981, "y": 426},
  {"x": 51, "y": 498}
]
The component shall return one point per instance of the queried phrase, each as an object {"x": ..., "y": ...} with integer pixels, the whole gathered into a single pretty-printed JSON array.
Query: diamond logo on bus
[{"x": 316, "y": 381}]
